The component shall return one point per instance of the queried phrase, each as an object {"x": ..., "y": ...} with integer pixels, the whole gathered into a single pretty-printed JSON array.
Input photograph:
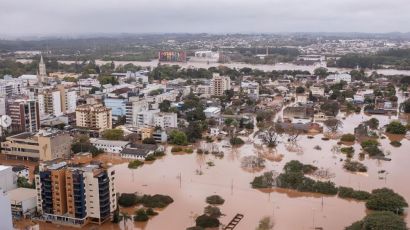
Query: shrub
[
  {"x": 150, "y": 157},
  {"x": 348, "y": 137},
  {"x": 374, "y": 151},
  {"x": 354, "y": 166},
  {"x": 189, "y": 150},
  {"x": 212, "y": 211},
  {"x": 379, "y": 221},
  {"x": 236, "y": 141},
  {"x": 151, "y": 212},
  {"x": 263, "y": 181},
  {"x": 127, "y": 199},
  {"x": 141, "y": 215},
  {"x": 297, "y": 166},
  {"x": 373, "y": 123},
  {"x": 385, "y": 199},
  {"x": 178, "y": 138},
  {"x": 348, "y": 151},
  {"x": 199, "y": 151},
  {"x": 150, "y": 141},
  {"x": 155, "y": 201},
  {"x": 135, "y": 164},
  {"x": 368, "y": 143},
  {"x": 395, "y": 143},
  {"x": 395, "y": 127},
  {"x": 326, "y": 187},
  {"x": 159, "y": 153},
  {"x": 206, "y": 221},
  {"x": 350, "y": 193},
  {"x": 215, "y": 200},
  {"x": 113, "y": 134},
  {"x": 176, "y": 149}
]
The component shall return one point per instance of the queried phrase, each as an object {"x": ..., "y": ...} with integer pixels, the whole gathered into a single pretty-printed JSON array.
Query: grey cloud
[{"x": 42, "y": 17}]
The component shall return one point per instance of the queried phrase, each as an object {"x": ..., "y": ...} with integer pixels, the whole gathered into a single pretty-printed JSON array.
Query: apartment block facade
[
  {"x": 219, "y": 84},
  {"x": 24, "y": 115},
  {"x": 75, "y": 195},
  {"x": 95, "y": 117}
]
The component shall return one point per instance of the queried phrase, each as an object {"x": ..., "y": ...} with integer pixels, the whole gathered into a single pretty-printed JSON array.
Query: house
[
  {"x": 108, "y": 145},
  {"x": 212, "y": 112},
  {"x": 337, "y": 78},
  {"x": 301, "y": 98},
  {"x": 317, "y": 91},
  {"x": 139, "y": 151},
  {"x": 295, "y": 112}
]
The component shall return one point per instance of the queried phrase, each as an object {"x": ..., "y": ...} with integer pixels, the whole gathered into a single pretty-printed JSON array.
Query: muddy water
[{"x": 176, "y": 175}]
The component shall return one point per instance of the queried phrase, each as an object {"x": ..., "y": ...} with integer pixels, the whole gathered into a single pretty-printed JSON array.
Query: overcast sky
[{"x": 51, "y": 17}]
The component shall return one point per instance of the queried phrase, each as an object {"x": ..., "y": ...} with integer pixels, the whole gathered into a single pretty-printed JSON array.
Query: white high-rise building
[
  {"x": 6, "y": 222},
  {"x": 8, "y": 178},
  {"x": 219, "y": 84},
  {"x": 132, "y": 108},
  {"x": 165, "y": 120}
]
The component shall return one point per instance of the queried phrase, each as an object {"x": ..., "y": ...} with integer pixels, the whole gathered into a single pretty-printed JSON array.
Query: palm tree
[{"x": 125, "y": 217}]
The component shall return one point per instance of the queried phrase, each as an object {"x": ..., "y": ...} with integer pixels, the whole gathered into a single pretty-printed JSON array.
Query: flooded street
[{"x": 290, "y": 210}]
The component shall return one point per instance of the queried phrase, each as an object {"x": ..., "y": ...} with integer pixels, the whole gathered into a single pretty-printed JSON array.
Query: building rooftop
[{"x": 21, "y": 194}]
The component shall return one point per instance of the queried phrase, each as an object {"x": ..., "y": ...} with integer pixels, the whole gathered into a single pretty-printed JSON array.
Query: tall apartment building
[
  {"x": 68, "y": 99},
  {"x": 132, "y": 108},
  {"x": 24, "y": 115},
  {"x": 75, "y": 194},
  {"x": 45, "y": 145},
  {"x": 95, "y": 117},
  {"x": 219, "y": 84},
  {"x": 50, "y": 102}
]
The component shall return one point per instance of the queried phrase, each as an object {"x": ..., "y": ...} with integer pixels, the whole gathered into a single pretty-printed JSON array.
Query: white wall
[
  {"x": 6, "y": 222},
  {"x": 8, "y": 179}
]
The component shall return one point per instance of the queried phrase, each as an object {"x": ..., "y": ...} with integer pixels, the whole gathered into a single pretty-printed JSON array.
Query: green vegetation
[
  {"x": 330, "y": 108},
  {"x": 300, "y": 90},
  {"x": 349, "y": 151},
  {"x": 265, "y": 224},
  {"x": 395, "y": 127},
  {"x": 22, "y": 182},
  {"x": 235, "y": 141},
  {"x": 127, "y": 199},
  {"x": 372, "y": 148},
  {"x": 264, "y": 181},
  {"x": 395, "y": 143},
  {"x": 405, "y": 106},
  {"x": 348, "y": 137},
  {"x": 297, "y": 166},
  {"x": 206, "y": 221},
  {"x": 354, "y": 166},
  {"x": 350, "y": 193},
  {"x": 81, "y": 144},
  {"x": 150, "y": 158},
  {"x": 212, "y": 211},
  {"x": 113, "y": 134},
  {"x": 148, "y": 201},
  {"x": 379, "y": 221},
  {"x": 385, "y": 199},
  {"x": 149, "y": 140},
  {"x": 178, "y": 138},
  {"x": 141, "y": 215},
  {"x": 135, "y": 164},
  {"x": 373, "y": 123},
  {"x": 107, "y": 80},
  {"x": 215, "y": 200}
]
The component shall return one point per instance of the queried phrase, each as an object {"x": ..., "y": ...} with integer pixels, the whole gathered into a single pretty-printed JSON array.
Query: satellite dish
[{"x": 5, "y": 121}]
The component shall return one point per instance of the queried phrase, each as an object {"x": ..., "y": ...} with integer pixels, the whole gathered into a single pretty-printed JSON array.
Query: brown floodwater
[{"x": 189, "y": 179}]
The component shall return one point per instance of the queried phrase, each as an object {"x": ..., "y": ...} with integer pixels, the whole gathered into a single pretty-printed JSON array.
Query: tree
[
  {"x": 212, "y": 211},
  {"x": 149, "y": 140},
  {"x": 385, "y": 199},
  {"x": 373, "y": 123},
  {"x": 330, "y": 108},
  {"x": 141, "y": 215},
  {"x": 81, "y": 143},
  {"x": 215, "y": 200},
  {"x": 178, "y": 138},
  {"x": 395, "y": 127},
  {"x": 333, "y": 124},
  {"x": 127, "y": 199},
  {"x": 164, "y": 106},
  {"x": 113, "y": 134},
  {"x": 300, "y": 90},
  {"x": 379, "y": 221},
  {"x": 348, "y": 137},
  {"x": 125, "y": 217},
  {"x": 206, "y": 221},
  {"x": 405, "y": 106},
  {"x": 265, "y": 224},
  {"x": 321, "y": 72},
  {"x": 270, "y": 135}
]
